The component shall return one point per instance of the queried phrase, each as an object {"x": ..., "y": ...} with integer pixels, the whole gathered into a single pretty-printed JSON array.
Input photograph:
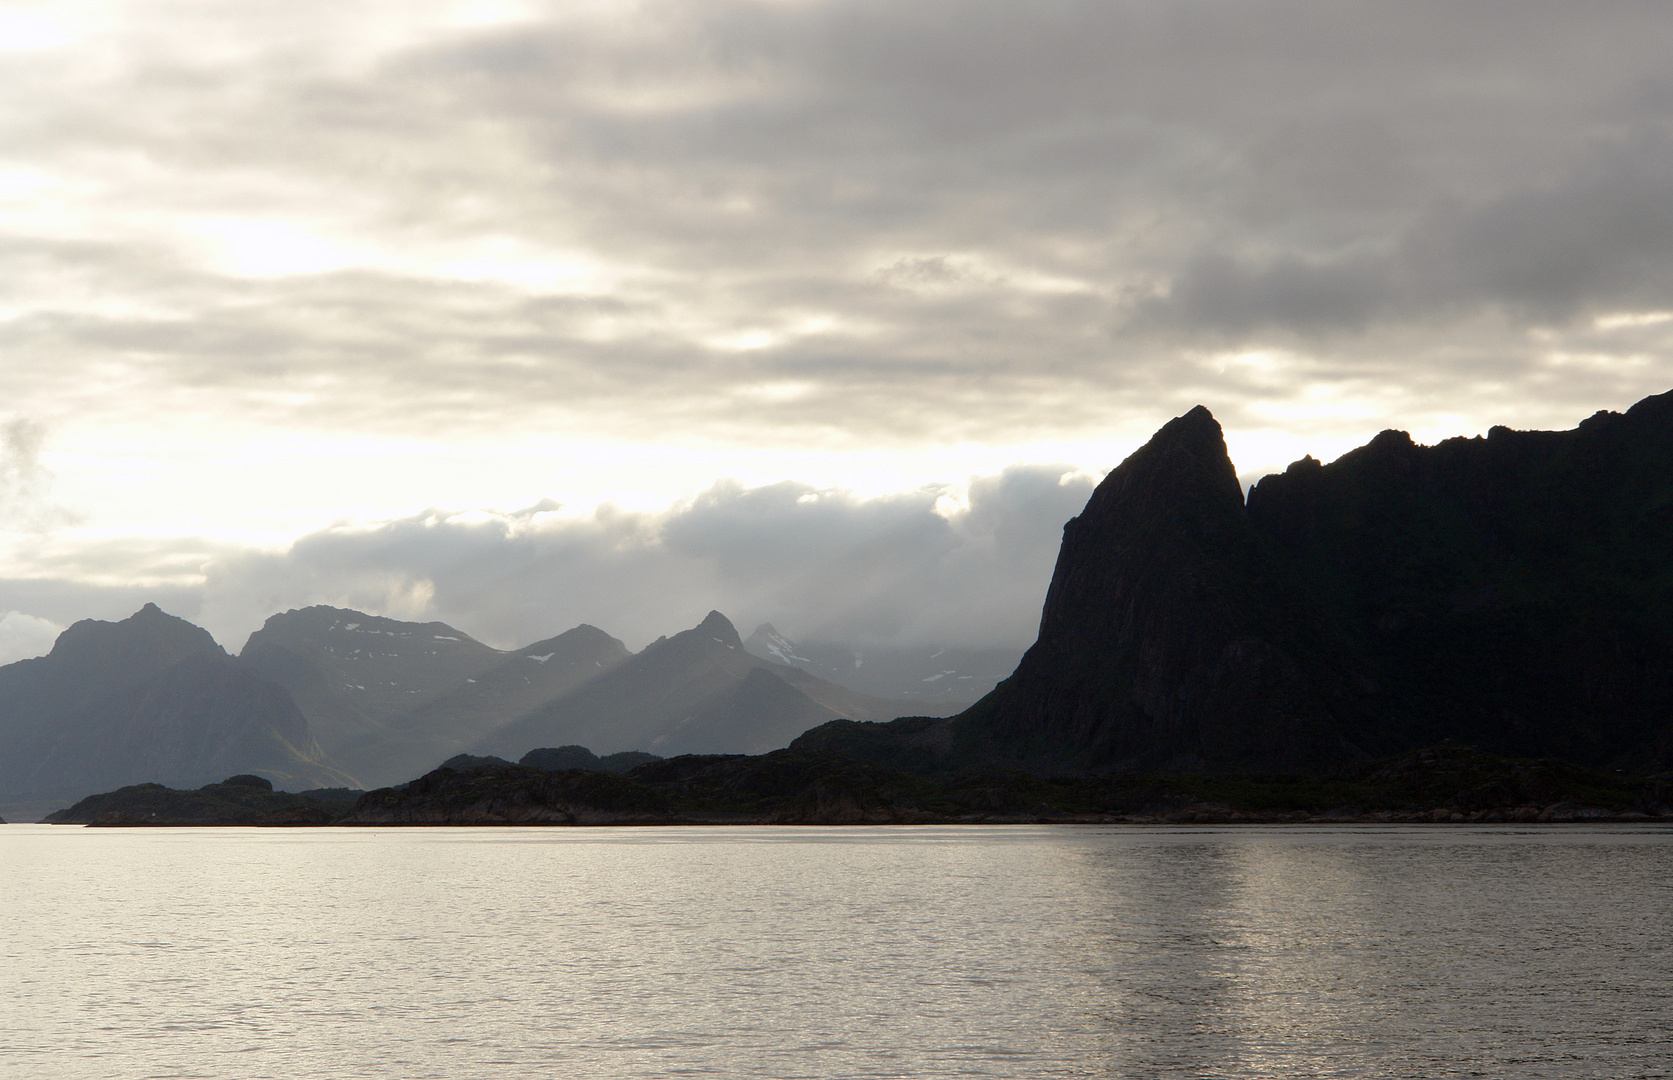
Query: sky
[{"x": 822, "y": 312}]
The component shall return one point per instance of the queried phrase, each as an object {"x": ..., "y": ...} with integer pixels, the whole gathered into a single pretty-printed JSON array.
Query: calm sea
[{"x": 833, "y": 952}]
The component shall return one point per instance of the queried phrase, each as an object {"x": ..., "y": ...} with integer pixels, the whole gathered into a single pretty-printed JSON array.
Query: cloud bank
[
  {"x": 909, "y": 568},
  {"x": 950, "y": 566}
]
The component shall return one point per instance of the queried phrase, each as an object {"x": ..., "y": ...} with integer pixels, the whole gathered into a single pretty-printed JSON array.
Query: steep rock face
[{"x": 1165, "y": 640}]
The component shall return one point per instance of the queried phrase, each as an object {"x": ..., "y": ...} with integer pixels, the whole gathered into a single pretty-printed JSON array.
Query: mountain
[
  {"x": 529, "y": 677},
  {"x": 150, "y": 698},
  {"x": 352, "y": 674},
  {"x": 1167, "y": 639},
  {"x": 936, "y": 680},
  {"x": 698, "y": 691},
  {"x": 1513, "y": 592},
  {"x": 519, "y": 684}
]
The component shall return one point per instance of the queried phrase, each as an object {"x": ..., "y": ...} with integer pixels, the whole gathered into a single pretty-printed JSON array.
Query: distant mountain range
[
  {"x": 326, "y": 697},
  {"x": 388, "y": 699},
  {"x": 699, "y": 691}
]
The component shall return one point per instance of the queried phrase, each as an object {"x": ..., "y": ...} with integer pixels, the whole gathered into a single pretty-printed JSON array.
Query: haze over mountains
[
  {"x": 945, "y": 679},
  {"x": 699, "y": 691}
]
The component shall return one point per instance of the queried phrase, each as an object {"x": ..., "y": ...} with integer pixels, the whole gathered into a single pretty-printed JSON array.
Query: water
[{"x": 888, "y": 952}]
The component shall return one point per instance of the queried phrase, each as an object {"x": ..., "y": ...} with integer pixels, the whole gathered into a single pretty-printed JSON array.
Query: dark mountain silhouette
[
  {"x": 570, "y": 786},
  {"x": 561, "y": 758},
  {"x": 698, "y": 691},
  {"x": 1167, "y": 640},
  {"x": 932, "y": 679},
  {"x": 1512, "y": 592},
  {"x": 150, "y": 698}
]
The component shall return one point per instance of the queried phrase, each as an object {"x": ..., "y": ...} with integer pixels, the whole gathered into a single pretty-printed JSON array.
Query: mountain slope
[
  {"x": 698, "y": 691},
  {"x": 527, "y": 679},
  {"x": 352, "y": 673},
  {"x": 1514, "y": 592},
  {"x": 1166, "y": 641}
]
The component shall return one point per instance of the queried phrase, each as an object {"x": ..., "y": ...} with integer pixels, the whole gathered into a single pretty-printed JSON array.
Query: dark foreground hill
[
  {"x": 237, "y": 800},
  {"x": 1512, "y": 592},
  {"x": 1448, "y": 783}
]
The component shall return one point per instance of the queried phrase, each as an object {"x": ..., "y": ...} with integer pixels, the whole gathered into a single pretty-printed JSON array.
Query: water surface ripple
[{"x": 1067, "y": 951}]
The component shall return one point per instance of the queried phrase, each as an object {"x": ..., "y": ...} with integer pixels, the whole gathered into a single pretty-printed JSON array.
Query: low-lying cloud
[{"x": 912, "y": 568}]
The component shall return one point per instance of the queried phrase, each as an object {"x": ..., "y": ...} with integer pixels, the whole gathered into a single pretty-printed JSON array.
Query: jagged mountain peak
[
  {"x": 769, "y": 644},
  {"x": 720, "y": 628},
  {"x": 148, "y": 637},
  {"x": 1184, "y": 466}
]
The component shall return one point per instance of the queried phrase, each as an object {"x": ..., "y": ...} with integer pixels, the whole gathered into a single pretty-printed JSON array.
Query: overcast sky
[{"x": 518, "y": 314}]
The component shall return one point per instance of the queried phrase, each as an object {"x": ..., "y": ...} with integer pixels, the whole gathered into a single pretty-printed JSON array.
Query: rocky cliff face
[
  {"x": 1514, "y": 592},
  {"x": 1165, "y": 641}
]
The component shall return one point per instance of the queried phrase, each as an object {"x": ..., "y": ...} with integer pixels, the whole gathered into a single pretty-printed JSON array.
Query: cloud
[
  {"x": 25, "y": 483},
  {"x": 935, "y": 219},
  {"x": 819, "y": 564},
  {"x": 23, "y": 636}
]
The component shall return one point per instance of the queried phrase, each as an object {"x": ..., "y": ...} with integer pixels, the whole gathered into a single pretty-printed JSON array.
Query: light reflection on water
[{"x": 809, "y": 952}]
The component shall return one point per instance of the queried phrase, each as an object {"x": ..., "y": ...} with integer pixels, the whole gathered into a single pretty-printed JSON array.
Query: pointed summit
[
  {"x": 1157, "y": 647},
  {"x": 720, "y": 628},
  {"x": 1184, "y": 466}
]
